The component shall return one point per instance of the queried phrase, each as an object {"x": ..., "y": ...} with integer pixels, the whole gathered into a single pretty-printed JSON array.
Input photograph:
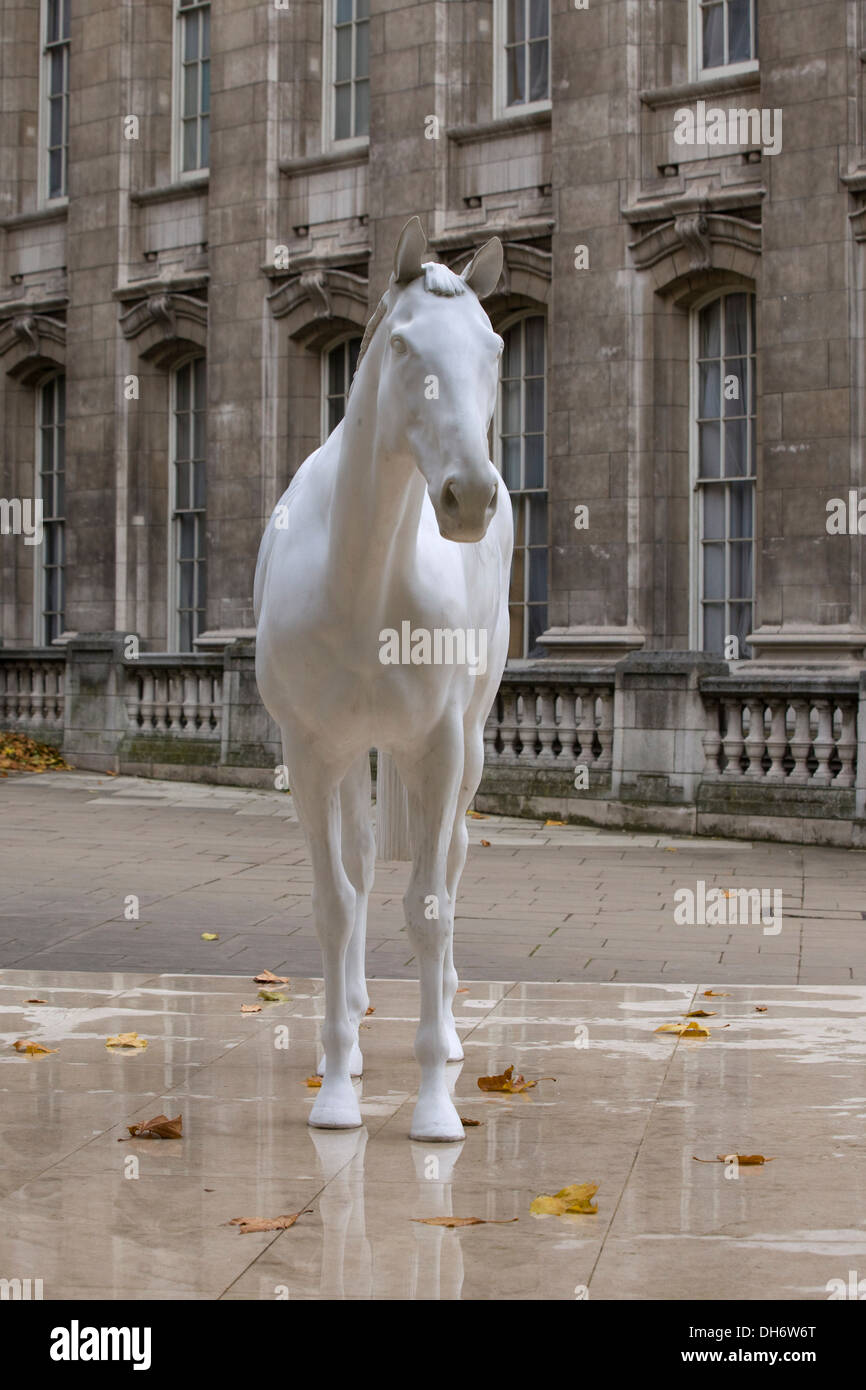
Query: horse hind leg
[{"x": 359, "y": 862}]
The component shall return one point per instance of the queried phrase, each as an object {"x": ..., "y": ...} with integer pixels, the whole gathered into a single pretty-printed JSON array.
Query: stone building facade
[{"x": 198, "y": 210}]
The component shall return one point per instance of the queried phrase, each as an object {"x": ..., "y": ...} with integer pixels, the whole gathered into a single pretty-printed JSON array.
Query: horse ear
[
  {"x": 410, "y": 248},
  {"x": 485, "y": 268}
]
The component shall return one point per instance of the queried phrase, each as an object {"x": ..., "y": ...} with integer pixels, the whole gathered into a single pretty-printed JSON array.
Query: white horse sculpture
[{"x": 397, "y": 530}]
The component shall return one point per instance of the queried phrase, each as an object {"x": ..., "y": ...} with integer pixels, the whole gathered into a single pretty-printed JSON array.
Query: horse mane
[{"x": 438, "y": 279}]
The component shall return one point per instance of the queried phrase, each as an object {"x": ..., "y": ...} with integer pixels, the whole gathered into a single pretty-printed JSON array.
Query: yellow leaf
[
  {"x": 699, "y": 1013},
  {"x": 314, "y": 1081},
  {"x": 33, "y": 1049},
  {"x": 684, "y": 1030},
  {"x": 248, "y": 1224},
  {"x": 555, "y": 822},
  {"x": 267, "y": 977},
  {"x": 509, "y": 1082},
  {"x": 126, "y": 1040},
  {"x": 209, "y": 936},
  {"x": 714, "y": 994},
  {"x": 576, "y": 1199},
  {"x": 747, "y": 1160},
  {"x": 271, "y": 998}
]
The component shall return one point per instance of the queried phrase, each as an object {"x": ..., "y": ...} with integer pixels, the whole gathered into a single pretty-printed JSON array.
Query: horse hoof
[
  {"x": 338, "y": 1112},
  {"x": 436, "y": 1122},
  {"x": 455, "y": 1051}
]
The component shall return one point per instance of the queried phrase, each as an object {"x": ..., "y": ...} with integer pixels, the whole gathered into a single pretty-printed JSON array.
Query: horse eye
[{"x": 398, "y": 344}]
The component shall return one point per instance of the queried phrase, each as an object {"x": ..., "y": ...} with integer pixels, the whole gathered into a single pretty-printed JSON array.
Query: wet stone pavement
[
  {"x": 629, "y": 1109},
  {"x": 105, "y": 873}
]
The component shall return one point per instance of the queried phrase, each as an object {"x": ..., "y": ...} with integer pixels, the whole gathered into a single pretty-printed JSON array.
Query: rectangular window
[
  {"x": 192, "y": 87},
  {"x": 347, "y": 68},
  {"x": 55, "y": 99},
  {"x": 725, "y": 471},
  {"x": 522, "y": 463},
  {"x": 188, "y": 503},
  {"x": 725, "y": 34},
  {"x": 339, "y": 365},
  {"x": 522, "y": 55},
  {"x": 51, "y": 473}
]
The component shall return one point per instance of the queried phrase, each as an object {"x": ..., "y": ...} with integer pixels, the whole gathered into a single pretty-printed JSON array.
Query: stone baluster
[
  {"x": 133, "y": 698},
  {"x": 146, "y": 705},
  {"x": 846, "y": 744},
  {"x": 37, "y": 695},
  {"x": 190, "y": 694},
  {"x": 755, "y": 740},
  {"x": 174, "y": 707},
  {"x": 508, "y": 725},
  {"x": 778, "y": 740},
  {"x": 160, "y": 700},
  {"x": 605, "y": 731},
  {"x": 823, "y": 744},
  {"x": 567, "y": 727},
  {"x": 800, "y": 742},
  {"x": 547, "y": 728},
  {"x": 732, "y": 742},
  {"x": 528, "y": 724},
  {"x": 586, "y": 726},
  {"x": 712, "y": 741}
]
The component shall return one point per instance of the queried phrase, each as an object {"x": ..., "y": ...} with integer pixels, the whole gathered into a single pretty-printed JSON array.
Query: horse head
[{"x": 438, "y": 379}]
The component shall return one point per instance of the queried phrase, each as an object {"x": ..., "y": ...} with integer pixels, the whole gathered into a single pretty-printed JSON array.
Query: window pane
[
  {"x": 205, "y": 32},
  {"x": 342, "y": 112},
  {"x": 190, "y": 153},
  {"x": 736, "y": 320},
  {"x": 344, "y": 11},
  {"x": 534, "y": 423},
  {"x": 710, "y": 340},
  {"x": 539, "y": 11},
  {"x": 186, "y": 550},
  {"x": 741, "y": 569},
  {"x": 735, "y": 386},
  {"x": 204, "y": 127},
  {"x": 538, "y": 68},
  {"x": 511, "y": 462},
  {"x": 511, "y": 407},
  {"x": 362, "y": 9},
  {"x": 537, "y": 625},
  {"x": 714, "y": 513},
  {"x": 736, "y": 449},
  {"x": 534, "y": 329},
  {"x": 742, "y": 498},
  {"x": 514, "y": 60},
  {"x": 714, "y": 36},
  {"x": 533, "y": 461},
  {"x": 205, "y": 87},
  {"x": 336, "y": 374},
  {"x": 511, "y": 356},
  {"x": 714, "y": 628},
  {"x": 739, "y": 31},
  {"x": 537, "y": 520},
  {"x": 538, "y": 574},
  {"x": 198, "y": 475},
  {"x": 741, "y": 623},
  {"x": 709, "y": 451},
  {"x": 516, "y": 29},
  {"x": 362, "y": 108},
  {"x": 343, "y": 60},
  {"x": 198, "y": 446},
  {"x": 182, "y": 498},
  {"x": 190, "y": 90},
  {"x": 362, "y": 50},
  {"x": 714, "y": 571},
  {"x": 190, "y": 37},
  {"x": 53, "y": 22},
  {"x": 57, "y": 71},
  {"x": 708, "y": 400}
]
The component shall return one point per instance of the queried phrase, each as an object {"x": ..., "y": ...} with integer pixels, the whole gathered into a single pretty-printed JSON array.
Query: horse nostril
[{"x": 450, "y": 499}]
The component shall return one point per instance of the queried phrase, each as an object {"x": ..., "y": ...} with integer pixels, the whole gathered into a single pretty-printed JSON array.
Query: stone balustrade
[
  {"x": 31, "y": 690},
  {"x": 801, "y": 732},
  {"x": 174, "y": 696}
]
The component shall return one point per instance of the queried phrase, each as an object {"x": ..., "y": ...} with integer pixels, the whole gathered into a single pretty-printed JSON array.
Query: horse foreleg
[
  {"x": 316, "y": 790},
  {"x": 359, "y": 862},
  {"x": 472, "y": 769},
  {"x": 433, "y": 784}
]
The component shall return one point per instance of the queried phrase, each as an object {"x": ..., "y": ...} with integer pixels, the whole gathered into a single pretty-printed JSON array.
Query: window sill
[
  {"x": 521, "y": 118},
  {"x": 178, "y": 188},
  {"x": 716, "y": 83},
  {"x": 343, "y": 155}
]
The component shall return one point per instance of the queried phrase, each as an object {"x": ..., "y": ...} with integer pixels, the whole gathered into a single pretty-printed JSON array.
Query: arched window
[
  {"x": 521, "y": 456},
  {"x": 188, "y": 577},
  {"x": 724, "y": 453},
  {"x": 338, "y": 368},
  {"x": 50, "y": 478}
]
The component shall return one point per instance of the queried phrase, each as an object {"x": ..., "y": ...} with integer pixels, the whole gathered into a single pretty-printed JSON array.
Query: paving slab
[{"x": 616, "y": 1103}]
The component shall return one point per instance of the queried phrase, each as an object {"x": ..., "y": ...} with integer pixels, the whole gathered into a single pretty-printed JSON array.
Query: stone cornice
[{"x": 173, "y": 284}]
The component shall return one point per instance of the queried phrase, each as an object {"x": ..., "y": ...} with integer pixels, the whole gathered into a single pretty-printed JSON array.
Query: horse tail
[{"x": 392, "y": 811}]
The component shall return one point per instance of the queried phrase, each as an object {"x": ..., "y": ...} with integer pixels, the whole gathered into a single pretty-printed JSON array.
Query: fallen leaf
[
  {"x": 126, "y": 1040},
  {"x": 20, "y": 753},
  {"x": 249, "y": 1224},
  {"x": 577, "y": 1198},
  {"x": 746, "y": 1160},
  {"x": 469, "y": 1123},
  {"x": 699, "y": 1013},
  {"x": 509, "y": 1082},
  {"x": 160, "y": 1127},
  {"x": 33, "y": 1049},
  {"x": 760, "y": 1008},
  {"x": 251, "y": 1008},
  {"x": 460, "y": 1221},
  {"x": 314, "y": 1081},
  {"x": 370, "y": 1010},
  {"x": 486, "y": 844},
  {"x": 476, "y": 815},
  {"x": 712, "y": 994},
  {"x": 555, "y": 822},
  {"x": 210, "y": 936},
  {"x": 267, "y": 977},
  {"x": 670, "y": 849},
  {"x": 35, "y": 1001},
  {"x": 464, "y": 990},
  {"x": 271, "y": 998},
  {"x": 684, "y": 1030}
]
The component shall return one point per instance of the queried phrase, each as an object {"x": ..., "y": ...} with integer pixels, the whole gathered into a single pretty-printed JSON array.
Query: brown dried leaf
[
  {"x": 509, "y": 1082},
  {"x": 314, "y": 1081},
  {"x": 33, "y": 1049},
  {"x": 35, "y": 1001},
  {"x": 371, "y": 1009},
  {"x": 470, "y": 1124},
  {"x": 746, "y": 1160},
  {"x": 486, "y": 844},
  {"x": 459, "y": 1221},
  {"x": 760, "y": 1008},
  {"x": 699, "y": 1013},
  {"x": 126, "y": 1040},
  {"x": 160, "y": 1127},
  {"x": 267, "y": 977},
  {"x": 555, "y": 822},
  {"x": 248, "y": 1224},
  {"x": 251, "y": 1008},
  {"x": 476, "y": 815},
  {"x": 684, "y": 1030},
  {"x": 713, "y": 994}
]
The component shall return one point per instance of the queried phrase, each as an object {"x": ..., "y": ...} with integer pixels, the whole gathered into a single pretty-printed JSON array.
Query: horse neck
[{"x": 377, "y": 498}]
